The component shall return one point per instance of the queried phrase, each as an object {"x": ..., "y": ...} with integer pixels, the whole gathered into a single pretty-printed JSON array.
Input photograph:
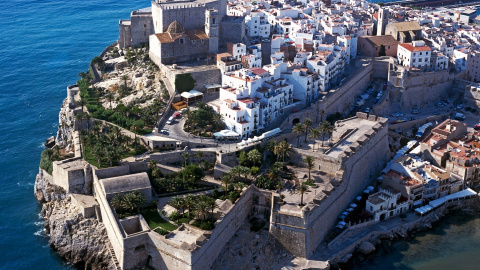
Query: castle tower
[
  {"x": 212, "y": 29},
  {"x": 383, "y": 15}
]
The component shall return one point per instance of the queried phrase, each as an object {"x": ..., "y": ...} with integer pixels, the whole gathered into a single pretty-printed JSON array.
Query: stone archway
[{"x": 295, "y": 121}]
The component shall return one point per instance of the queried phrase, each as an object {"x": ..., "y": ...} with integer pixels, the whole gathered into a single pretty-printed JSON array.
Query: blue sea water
[{"x": 44, "y": 44}]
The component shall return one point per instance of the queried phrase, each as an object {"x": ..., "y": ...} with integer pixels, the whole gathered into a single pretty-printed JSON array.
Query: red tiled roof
[
  {"x": 411, "y": 48},
  {"x": 258, "y": 71}
]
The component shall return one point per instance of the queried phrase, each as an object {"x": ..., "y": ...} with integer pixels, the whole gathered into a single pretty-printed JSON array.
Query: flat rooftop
[{"x": 357, "y": 128}]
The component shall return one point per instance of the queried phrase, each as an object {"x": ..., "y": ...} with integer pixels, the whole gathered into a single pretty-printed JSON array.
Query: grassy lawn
[{"x": 154, "y": 220}]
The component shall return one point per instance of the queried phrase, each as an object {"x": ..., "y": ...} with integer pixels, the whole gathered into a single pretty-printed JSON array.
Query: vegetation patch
[
  {"x": 47, "y": 158},
  {"x": 154, "y": 220},
  {"x": 184, "y": 82},
  {"x": 203, "y": 121}
]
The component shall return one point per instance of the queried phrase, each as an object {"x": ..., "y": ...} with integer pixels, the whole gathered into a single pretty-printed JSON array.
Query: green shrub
[
  {"x": 46, "y": 162},
  {"x": 184, "y": 82}
]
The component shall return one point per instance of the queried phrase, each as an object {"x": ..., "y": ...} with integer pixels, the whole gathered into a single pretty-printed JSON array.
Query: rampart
[{"x": 355, "y": 168}]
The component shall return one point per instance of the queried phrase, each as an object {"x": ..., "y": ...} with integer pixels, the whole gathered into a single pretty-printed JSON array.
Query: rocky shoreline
[
  {"x": 80, "y": 241},
  {"x": 375, "y": 242}
]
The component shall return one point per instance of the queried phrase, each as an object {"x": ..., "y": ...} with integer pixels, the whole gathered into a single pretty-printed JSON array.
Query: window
[{"x": 181, "y": 41}]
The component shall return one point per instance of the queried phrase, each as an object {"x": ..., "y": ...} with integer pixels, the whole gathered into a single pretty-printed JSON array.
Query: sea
[{"x": 44, "y": 44}]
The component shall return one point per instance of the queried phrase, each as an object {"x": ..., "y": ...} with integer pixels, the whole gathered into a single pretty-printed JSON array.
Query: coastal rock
[
  {"x": 366, "y": 248},
  {"x": 81, "y": 241},
  {"x": 44, "y": 191},
  {"x": 50, "y": 142}
]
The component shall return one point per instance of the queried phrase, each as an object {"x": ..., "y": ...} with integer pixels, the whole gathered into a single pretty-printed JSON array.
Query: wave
[{"x": 41, "y": 232}]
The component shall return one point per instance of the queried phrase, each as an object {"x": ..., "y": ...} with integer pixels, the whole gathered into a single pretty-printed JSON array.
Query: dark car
[
  {"x": 476, "y": 127},
  {"x": 375, "y": 101}
]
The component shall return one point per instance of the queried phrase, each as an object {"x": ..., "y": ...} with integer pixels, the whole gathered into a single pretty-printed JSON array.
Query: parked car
[
  {"x": 477, "y": 127},
  {"x": 375, "y": 101},
  {"x": 460, "y": 107},
  {"x": 367, "y": 110},
  {"x": 414, "y": 111},
  {"x": 164, "y": 131},
  {"x": 170, "y": 120}
]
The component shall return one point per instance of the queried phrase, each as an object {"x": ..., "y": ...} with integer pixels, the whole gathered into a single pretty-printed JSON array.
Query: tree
[
  {"x": 282, "y": 149},
  {"x": 314, "y": 135},
  {"x": 237, "y": 171},
  {"x": 298, "y": 129},
  {"x": 98, "y": 152},
  {"x": 310, "y": 163},
  {"x": 302, "y": 189},
  {"x": 130, "y": 201},
  {"x": 188, "y": 200},
  {"x": 324, "y": 128},
  {"x": 382, "y": 51},
  {"x": 184, "y": 82},
  {"x": 243, "y": 158},
  {"x": 125, "y": 78},
  {"x": 135, "y": 127},
  {"x": 185, "y": 156},
  {"x": 212, "y": 204},
  {"x": 201, "y": 207},
  {"x": 134, "y": 200},
  {"x": 226, "y": 180},
  {"x": 178, "y": 203},
  {"x": 307, "y": 124},
  {"x": 254, "y": 171},
  {"x": 193, "y": 174},
  {"x": 322, "y": 114},
  {"x": 109, "y": 98},
  {"x": 254, "y": 156}
]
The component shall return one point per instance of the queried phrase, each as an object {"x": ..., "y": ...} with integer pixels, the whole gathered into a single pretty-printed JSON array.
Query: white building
[
  {"x": 257, "y": 25},
  {"x": 251, "y": 98},
  {"x": 386, "y": 203},
  {"x": 329, "y": 63},
  {"x": 415, "y": 54}
]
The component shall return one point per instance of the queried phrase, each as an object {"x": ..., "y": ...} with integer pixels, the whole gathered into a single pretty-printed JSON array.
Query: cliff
[{"x": 81, "y": 241}]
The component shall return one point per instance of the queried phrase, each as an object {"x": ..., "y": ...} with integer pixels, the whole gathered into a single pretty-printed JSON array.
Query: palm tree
[
  {"x": 185, "y": 156},
  {"x": 178, "y": 203},
  {"x": 236, "y": 171},
  {"x": 302, "y": 189},
  {"x": 314, "y": 135},
  {"x": 307, "y": 124},
  {"x": 134, "y": 200},
  {"x": 245, "y": 171},
  {"x": 117, "y": 134},
  {"x": 298, "y": 129},
  {"x": 97, "y": 152},
  {"x": 322, "y": 114},
  {"x": 226, "y": 180},
  {"x": 199, "y": 155},
  {"x": 109, "y": 98},
  {"x": 135, "y": 127},
  {"x": 239, "y": 186},
  {"x": 310, "y": 163},
  {"x": 82, "y": 102},
  {"x": 254, "y": 156},
  {"x": 188, "y": 203},
  {"x": 201, "y": 208},
  {"x": 282, "y": 149},
  {"x": 324, "y": 128},
  {"x": 88, "y": 117},
  {"x": 212, "y": 204}
]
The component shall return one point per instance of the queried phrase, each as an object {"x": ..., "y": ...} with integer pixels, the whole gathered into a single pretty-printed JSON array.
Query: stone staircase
[{"x": 114, "y": 257}]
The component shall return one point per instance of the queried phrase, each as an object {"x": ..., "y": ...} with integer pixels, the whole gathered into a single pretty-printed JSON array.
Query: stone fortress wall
[
  {"x": 339, "y": 100},
  {"x": 353, "y": 170}
]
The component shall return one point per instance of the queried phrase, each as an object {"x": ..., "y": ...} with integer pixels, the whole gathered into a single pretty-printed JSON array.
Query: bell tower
[{"x": 212, "y": 29}]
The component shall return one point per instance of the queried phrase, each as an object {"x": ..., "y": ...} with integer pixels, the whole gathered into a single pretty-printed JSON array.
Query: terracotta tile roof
[
  {"x": 196, "y": 34},
  {"x": 411, "y": 48},
  {"x": 167, "y": 37},
  {"x": 258, "y": 71}
]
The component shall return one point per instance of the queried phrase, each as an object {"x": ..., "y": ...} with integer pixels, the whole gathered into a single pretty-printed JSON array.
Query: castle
[{"x": 181, "y": 31}]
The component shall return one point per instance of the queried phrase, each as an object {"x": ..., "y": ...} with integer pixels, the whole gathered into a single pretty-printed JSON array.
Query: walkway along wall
[{"x": 302, "y": 234}]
